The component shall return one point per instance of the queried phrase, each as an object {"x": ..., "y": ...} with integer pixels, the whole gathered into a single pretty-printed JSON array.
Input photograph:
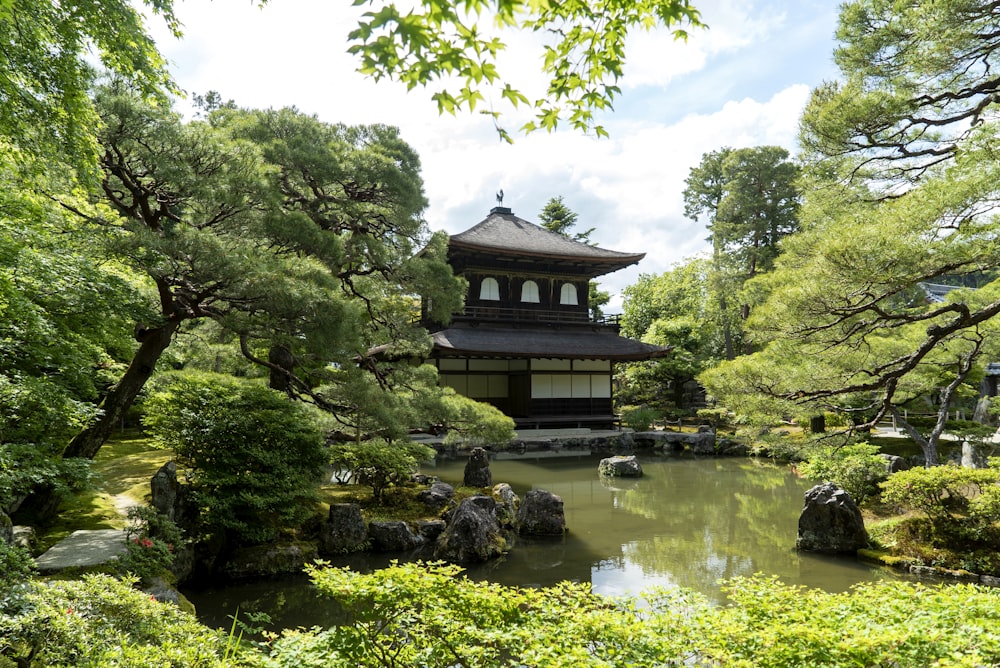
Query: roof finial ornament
[{"x": 500, "y": 197}]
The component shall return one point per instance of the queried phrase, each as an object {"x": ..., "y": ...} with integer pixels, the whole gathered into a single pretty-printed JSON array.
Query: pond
[{"x": 688, "y": 522}]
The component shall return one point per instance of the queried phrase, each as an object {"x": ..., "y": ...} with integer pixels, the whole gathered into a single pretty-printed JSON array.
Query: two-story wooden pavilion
[{"x": 526, "y": 342}]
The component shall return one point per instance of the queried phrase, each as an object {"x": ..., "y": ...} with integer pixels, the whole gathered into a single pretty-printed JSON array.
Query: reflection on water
[{"x": 687, "y": 522}]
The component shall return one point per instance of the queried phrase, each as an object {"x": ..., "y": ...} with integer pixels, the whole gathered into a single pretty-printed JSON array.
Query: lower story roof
[{"x": 543, "y": 343}]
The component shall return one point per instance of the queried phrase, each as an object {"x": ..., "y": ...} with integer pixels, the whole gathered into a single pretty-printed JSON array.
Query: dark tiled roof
[
  {"x": 567, "y": 344},
  {"x": 503, "y": 231}
]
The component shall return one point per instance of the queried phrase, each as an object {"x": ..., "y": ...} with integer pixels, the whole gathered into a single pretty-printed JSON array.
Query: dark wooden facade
[{"x": 525, "y": 341}]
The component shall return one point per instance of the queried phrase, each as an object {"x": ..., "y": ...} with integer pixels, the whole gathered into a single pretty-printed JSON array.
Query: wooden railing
[{"x": 508, "y": 314}]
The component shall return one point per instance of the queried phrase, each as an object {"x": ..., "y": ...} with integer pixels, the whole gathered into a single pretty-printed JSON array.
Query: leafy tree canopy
[
  {"x": 847, "y": 325},
  {"x": 917, "y": 80},
  {"x": 445, "y": 42},
  {"x": 45, "y": 76}
]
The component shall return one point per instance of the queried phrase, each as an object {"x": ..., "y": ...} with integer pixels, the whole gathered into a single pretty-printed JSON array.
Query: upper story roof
[{"x": 503, "y": 236}]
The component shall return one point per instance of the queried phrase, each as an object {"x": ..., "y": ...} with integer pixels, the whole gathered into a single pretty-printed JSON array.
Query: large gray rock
[
  {"x": 343, "y": 531},
  {"x": 431, "y": 529},
  {"x": 507, "y": 503},
  {"x": 437, "y": 495},
  {"x": 393, "y": 536},
  {"x": 830, "y": 522},
  {"x": 473, "y": 534},
  {"x": 541, "y": 514},
  {"x": 170, "y": 497},
  {"x": 24, "y": 536},
  {"x": 477, "y": 469},
  {"x": 894, "y": 463},
  {"x": 972, "y": 458},
  {"x": 81, "y": 549},
  {"x": 165, "y": 490},
  {"x": 624, "y": 466}
]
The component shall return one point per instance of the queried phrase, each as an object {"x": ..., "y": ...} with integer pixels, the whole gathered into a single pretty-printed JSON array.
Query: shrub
[
  {"x": 16, "y": 567},
  {"x": 150, "y": 542},
  {"x": 939, "y": 492},
  {"x": 857, "y": 469},
  {"x": 101, "y": 622},
  {"x": 380, "y": 464},
  {"x": 255, "y": 458},
  {"x": 447, "y": 619},
  {"x": 640, "y": 418}
]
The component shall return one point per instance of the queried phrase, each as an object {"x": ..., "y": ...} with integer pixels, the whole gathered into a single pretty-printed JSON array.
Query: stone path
[
  {"x": 87, "y": 547},
  {"x": 83, "y": 548}
]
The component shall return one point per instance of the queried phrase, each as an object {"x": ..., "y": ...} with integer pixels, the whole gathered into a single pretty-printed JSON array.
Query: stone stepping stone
[{"x": 81, "y": 549}]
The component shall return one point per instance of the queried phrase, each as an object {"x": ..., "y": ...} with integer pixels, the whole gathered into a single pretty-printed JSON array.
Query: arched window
[
  {"x": 529, "y": 292},
  {"x": 567, "y": 296},
  {"x": 489, "y": 289}
]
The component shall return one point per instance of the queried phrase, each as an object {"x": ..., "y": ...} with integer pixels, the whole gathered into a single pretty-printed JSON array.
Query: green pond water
[{"x": 688, "y": 522}]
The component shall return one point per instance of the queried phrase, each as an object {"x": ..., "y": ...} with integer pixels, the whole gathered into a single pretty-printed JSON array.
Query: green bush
[
  {"x": 447, "y": 619},
  {"x": 101, "y": 622},
  {"x": 941, "y": 493},
  {"x": 431, "y": 615},
  {"x": 379, "y": 464},
  {"x": 472, "y": 422},
  {"x": 16, "y": 567},
  {"x": 857, "y": 469},
  {"x": 255, "y": 458},
  {"x": 151, "y": 541},
  {"x": 640, "y": 418}
]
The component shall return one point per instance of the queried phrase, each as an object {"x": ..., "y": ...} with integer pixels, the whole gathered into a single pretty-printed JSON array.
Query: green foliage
[
  {"x": 102, "y": 622},
  {"x": 556, "y": 217},
  {"x": 255, "y": 458},
  {"x": 940, "y": 492},
  {"x": 901, "y": 176},
  {"x": 380, "y": 464},
  {"x": 583, "y": 57},
  {"x": 857, "y": 469},
  {"x": 447, "y": 619},
  {"x": 473, "y": 422},
  {"x": 884, "y": 623},
  {"x": 16, "y": 567},
  {"x": 749, "y": 200},
  {"x": 150, "y": 543},
  {"x": 25, "y": 468},
  {"x": 47, "y": 69},
  {"x": 640, "y": 418},
  {"x": 431, "y": 615}
]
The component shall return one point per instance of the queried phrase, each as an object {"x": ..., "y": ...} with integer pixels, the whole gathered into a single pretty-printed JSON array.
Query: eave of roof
[
  {"x": 542, "y": 343},
  {"x": 503, "y": 232}
]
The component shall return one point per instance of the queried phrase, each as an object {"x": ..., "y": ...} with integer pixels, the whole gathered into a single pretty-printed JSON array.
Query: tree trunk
[
  {"x": 281, "y": 357},
  {"x": 119, "y": 399},
  {"x": 727, "y": 332}
]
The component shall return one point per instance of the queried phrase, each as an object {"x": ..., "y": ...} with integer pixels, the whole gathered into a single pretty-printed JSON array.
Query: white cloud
[
  {"x": 724, "y": 87},
  {"x": 655, "y": 58}
]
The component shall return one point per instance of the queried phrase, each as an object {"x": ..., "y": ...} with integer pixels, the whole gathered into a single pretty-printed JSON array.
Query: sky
[{"x": 741, "y": 82}]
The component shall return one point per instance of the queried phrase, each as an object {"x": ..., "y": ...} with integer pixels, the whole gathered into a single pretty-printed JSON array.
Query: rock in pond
[
  {"x": 437, "y": 495},
  {"x": 477, "y": 469},
  {"x": 473, "y": 534},
  {"x": 541, "y": 514},
  {"x": 343, "y": 531},
  {"x": 625, "y": 466},
  {"x": 830, "y": 522},
  {"x": 393, "y": 536}
]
